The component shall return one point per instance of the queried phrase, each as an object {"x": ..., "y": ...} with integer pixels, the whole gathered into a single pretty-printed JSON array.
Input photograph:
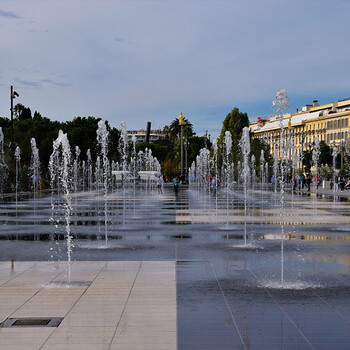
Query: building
[
  {"x": 329, "y": 122},
  {"x": 141, "y": 135}
]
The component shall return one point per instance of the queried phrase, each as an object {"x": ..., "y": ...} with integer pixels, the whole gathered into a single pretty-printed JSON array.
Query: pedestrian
[
  {"x": 159, "y": 185},
  {"x": 336, "y": 184},
  {"x": 308, "y": 182},
  {"x": 213, "y": 185},
  {"x": 317, "y": 180},
  {"x": 176, "y": 183},
  {"x": 300, "y": 180}
]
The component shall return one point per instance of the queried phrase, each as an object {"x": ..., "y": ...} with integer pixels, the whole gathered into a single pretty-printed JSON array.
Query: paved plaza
[
  {"x": 187, "y": 271},
  {"x": 107, "y": 305}
]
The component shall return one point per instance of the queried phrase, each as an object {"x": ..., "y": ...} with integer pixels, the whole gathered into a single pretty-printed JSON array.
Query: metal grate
[{"x": 31, "y": 322}]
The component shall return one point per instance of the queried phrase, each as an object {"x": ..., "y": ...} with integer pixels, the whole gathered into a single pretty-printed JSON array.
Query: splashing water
[
  {"x": 334, "y": 156},
  {"x": 228, "y": 144},
  {"x": 316, "y": 152},
  {"x": 245, "y": 148},
  {"x": 102, "y": 138},
  {"x": 34, "y": 166},
  {"x": 61, "y": 149},
  {"x": 281, "y": 103},
  {"x": 18, "y": 164},
  {"x": 76, "y": 169},
  {"x": 134, "y": 164},
  {"x": 89, "y": 169},
  {"x": 123, "y": 146},
  {"x": 262, "y": 168},
  {"x": 1, "y": 145},
  {"x": 252, "y": 162}
]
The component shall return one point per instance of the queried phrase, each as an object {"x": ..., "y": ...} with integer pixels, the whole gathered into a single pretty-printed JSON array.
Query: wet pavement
[{"x": 229, "y": 294}]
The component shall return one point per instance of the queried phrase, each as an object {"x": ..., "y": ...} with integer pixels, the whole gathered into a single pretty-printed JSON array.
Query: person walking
[
  {"x": 159, "y": 185},
  {"x": 308, "y": 182},
  {"x": 176, "y": 183}
]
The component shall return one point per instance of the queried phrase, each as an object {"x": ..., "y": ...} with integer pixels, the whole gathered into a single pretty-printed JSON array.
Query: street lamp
[
  {"x": 13, "y": 95},
  {"x": 182, "y": 123}
]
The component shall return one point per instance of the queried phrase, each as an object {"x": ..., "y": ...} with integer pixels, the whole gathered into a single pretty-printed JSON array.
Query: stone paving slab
[{"x": 122, "y": 306}]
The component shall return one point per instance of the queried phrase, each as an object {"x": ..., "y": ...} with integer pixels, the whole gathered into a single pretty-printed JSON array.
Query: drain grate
[{"x": 32, "y": 322}]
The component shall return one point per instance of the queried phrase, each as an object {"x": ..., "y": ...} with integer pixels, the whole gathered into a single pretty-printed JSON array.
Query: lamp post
[
  {"x": 13, "y": 95},
  {"x": 182, "y": 123}
]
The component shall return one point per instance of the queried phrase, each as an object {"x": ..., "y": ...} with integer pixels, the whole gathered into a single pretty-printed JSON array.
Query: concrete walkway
[{"x": 108, "y": 305}]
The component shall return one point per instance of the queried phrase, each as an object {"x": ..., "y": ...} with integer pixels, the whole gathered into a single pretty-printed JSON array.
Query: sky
[{"x": 140, "y": 61}]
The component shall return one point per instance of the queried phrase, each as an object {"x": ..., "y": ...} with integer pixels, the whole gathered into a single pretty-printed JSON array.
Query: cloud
[
  {"x": 57, "y": 83},
  {"x": 28, "y": 83},
  {"x": 119, "y": 40},
  {"x": 8, "y": 14}
]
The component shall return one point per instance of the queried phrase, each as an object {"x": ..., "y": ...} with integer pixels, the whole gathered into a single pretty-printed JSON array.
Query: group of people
[
  {"x": 176, "y": 184},
  {"x": 304, "y": 181},
  {"x": 341, "y": 183}
]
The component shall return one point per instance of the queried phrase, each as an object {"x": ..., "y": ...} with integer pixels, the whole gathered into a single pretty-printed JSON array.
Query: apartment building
[
  {"x": 329, "y": 122},
  {"x": 141, "y": 135}
]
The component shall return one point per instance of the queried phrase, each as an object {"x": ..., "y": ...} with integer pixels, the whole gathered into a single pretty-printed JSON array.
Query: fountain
[
  {"x": 281, "y": 103},
  {"x": 102, "y": 139},
  {"x": 34, "y": 166},
  {"x": 89, "y": 169},
  {"x": 228, "y": 148},
  {"x": 275, "y": 169},
  {"x": 335, "y": 182},
  {"x": 252, "y": 162},
  {"x": 262, "y": 168},
  {"x": 245, "y": 149},
  {"x": 215, "y": 186},
  {"x": 4, "y": 170},
  {"x": 123, "y": 150},
  {"x": 76, "y": 169},
  {"x": 18, "y": 165},
  {"x": 134, "y": 167},
  {"x": 315, "y": 160},
  {"x": 61, "y": 151}
]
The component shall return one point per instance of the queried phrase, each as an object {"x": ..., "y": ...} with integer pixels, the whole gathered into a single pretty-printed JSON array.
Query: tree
[
  {"x": 36, "y": 115},
  {"x": 21, "y": 112},
  {"x": 326, "y": 154},
  {"x": 234, "y": 122},
  {"x": 158, "y": 150},
  {"x": 175, "y": 128},
  {"x": 170, "y": 167},
  {"x": 256, "y": 146}
]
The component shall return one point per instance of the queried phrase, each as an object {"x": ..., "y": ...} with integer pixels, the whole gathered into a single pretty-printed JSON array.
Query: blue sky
[{"x": 142, "y": 61}]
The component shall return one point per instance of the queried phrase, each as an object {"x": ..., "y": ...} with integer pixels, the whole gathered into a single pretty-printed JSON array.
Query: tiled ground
[{"x": 109, "y": 305}]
